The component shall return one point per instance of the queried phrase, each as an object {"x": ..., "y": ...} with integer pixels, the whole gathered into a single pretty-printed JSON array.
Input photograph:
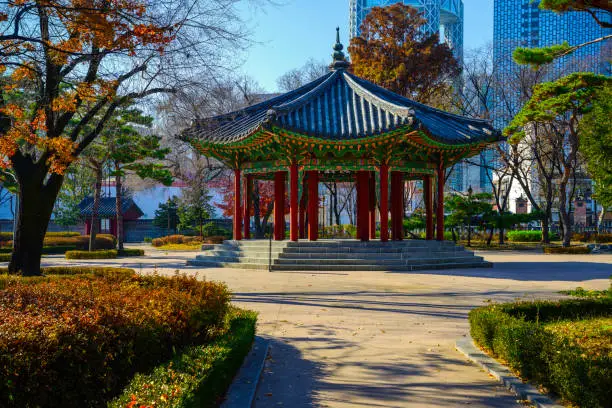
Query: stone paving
[{"x": 379, "y": 339}]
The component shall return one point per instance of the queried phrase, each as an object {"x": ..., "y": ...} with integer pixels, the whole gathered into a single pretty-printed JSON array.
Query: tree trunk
[
  {"x": 454, "y": 235},
  {"x": 469, "y": 243},
  {"x": 547, "y": 214},
  {"x": 490, "y": 238},
  {"x": 564, "y": 214},
  {"x": 501, "y": 236},
  {"x": 37, "y": 198},
  {"x": 601, "y": 217},
  {"x": 95, "y": 209},
  {"x": 336, "y": 212},
  {"x": 119, "y": 210}
]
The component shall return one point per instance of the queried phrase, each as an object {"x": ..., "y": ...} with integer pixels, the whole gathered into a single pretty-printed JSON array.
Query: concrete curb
[
  {"x": 242, "y": 391},
  {"x": 524, "y": 391}
]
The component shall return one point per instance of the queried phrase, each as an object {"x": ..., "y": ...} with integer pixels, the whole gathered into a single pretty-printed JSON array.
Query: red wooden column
[
  {"x": 384, "y": 203},
  {"x": 363, "y": 205},
  {"x": 372, "y": 202},
  {"x": 237, "y": 212},
  {"x": 313, "y": 205},
  {"x": 440, "y": 209},
  {"x": 427, "y": 194},
  {"x": 248, "y": 196},
  {"x": 400, "y": 206},
  {"x": 279, "y": 205},
  {"x": 397, "y": 204},
  {"x": 294, "y": 206}
]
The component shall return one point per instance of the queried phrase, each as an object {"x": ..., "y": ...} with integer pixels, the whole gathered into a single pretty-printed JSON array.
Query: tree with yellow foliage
[{"x": 394, "y": 52}]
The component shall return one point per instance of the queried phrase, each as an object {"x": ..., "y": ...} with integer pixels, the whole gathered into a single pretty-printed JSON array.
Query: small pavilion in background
[{"x": 340, "y": 128}]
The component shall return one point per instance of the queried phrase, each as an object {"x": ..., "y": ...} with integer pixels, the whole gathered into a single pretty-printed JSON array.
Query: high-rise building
[
  {"x": 521, "y": 23},
  {"x": 444, "y": 17}
]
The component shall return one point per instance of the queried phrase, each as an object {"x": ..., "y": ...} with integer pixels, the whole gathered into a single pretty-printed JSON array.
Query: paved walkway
[{"x": 375, "y": 339}]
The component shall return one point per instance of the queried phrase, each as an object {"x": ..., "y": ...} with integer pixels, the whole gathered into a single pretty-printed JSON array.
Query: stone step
[
  {"x": 340, "y": 255},
  {"x": 256, "y": 243},
  {"x": 365, "y": 250},
  {"x": 373, "y": 262},
  {"x": 235, "y": 259},
  {"x": 376, "y": 255},
  {"x": 370, "y": 244},
  {"x": 382, "y": 268},
  {"x": 249, "y": 254},
  {"x": 218, "y": 264}
]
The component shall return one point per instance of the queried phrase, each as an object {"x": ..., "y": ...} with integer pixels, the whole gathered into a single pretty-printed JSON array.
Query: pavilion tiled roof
[
  {"x": 107, "y": 208},
  {"x": 341, "y": 106}
]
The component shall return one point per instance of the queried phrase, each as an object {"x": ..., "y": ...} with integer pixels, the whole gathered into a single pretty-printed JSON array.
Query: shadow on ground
[
  {"x": 290, "y": 380},
  {"x": 377, "y": 301},
  {"x": 532, "y": 271}
]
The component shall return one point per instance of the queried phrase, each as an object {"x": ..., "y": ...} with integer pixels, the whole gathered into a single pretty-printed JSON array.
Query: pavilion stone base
[{"x": 339, "y": 255}]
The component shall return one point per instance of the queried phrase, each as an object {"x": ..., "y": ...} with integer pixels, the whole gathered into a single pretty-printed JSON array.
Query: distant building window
[{"x": 105, "y": 225}]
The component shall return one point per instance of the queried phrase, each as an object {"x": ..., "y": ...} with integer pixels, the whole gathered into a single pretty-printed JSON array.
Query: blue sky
[{"x": 286, "y": 36}]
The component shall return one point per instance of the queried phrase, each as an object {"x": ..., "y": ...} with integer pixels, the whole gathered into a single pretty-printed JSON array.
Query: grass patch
[
  {"x": 562, "y": 346},
  {"x": 566, "y": 250},
  {"x": 197, "y": 376},
  {"x": 593, "y": 336}
]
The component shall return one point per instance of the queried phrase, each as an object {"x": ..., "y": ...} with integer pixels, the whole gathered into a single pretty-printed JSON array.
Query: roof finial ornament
[{"x": 339, "y": 61}]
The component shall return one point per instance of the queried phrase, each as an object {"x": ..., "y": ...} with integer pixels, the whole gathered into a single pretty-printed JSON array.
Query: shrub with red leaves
[{"x": 76, "y": 341}]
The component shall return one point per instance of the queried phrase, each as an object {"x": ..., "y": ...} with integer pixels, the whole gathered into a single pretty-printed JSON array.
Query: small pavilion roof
[
  {"x": 108, "y": 207},
  {"x": 341, "y": 106}
]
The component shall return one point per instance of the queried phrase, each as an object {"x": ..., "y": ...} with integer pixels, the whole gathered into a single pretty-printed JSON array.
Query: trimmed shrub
[
  {"x": 567, "y": 250},
  {"x": 528, "y": 236},
  {"x": 199, "y": 373},
  {"x": 63, "y": 234},
  {"x": 517, "y": 334},
  {"x": 592, "y": 237},
  {"x": 175, "y": 239},
  {"x": 97, "y": 332},
  {"x": 55, "y": 250},
  {"x": 104, "y": 254},
  {"x": 58, "y": 272},
  {"x": 130, "y": 252},
  {"x": 214, "y": 240}
]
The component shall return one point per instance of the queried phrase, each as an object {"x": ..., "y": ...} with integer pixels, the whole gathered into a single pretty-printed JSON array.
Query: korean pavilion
[{"x": 340, "y": 128}]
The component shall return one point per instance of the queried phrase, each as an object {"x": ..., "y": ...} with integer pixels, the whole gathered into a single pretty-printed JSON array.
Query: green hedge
[
  {"x": 105, "y": 254},
  {"x": 528, "y": 236},
  {"x": 198, "y": 375},
  {"x": 130, "y": 252},
  {"x": 515, "y": 333},
  {"x": 567, "y": 250}
]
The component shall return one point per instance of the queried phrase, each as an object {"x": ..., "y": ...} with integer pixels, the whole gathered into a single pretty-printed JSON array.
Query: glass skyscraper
[
  {"x": 444, "y": 17},
  {"x": 520, "y": 23}
]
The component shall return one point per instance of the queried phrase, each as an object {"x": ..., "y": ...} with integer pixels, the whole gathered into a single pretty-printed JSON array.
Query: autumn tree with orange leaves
[
  {"x": 67, "y": 65},
  {"x": 393, "y": 52}
]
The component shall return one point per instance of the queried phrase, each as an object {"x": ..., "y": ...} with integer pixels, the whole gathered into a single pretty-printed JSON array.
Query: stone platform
[{"x": 338, "y": 255}]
